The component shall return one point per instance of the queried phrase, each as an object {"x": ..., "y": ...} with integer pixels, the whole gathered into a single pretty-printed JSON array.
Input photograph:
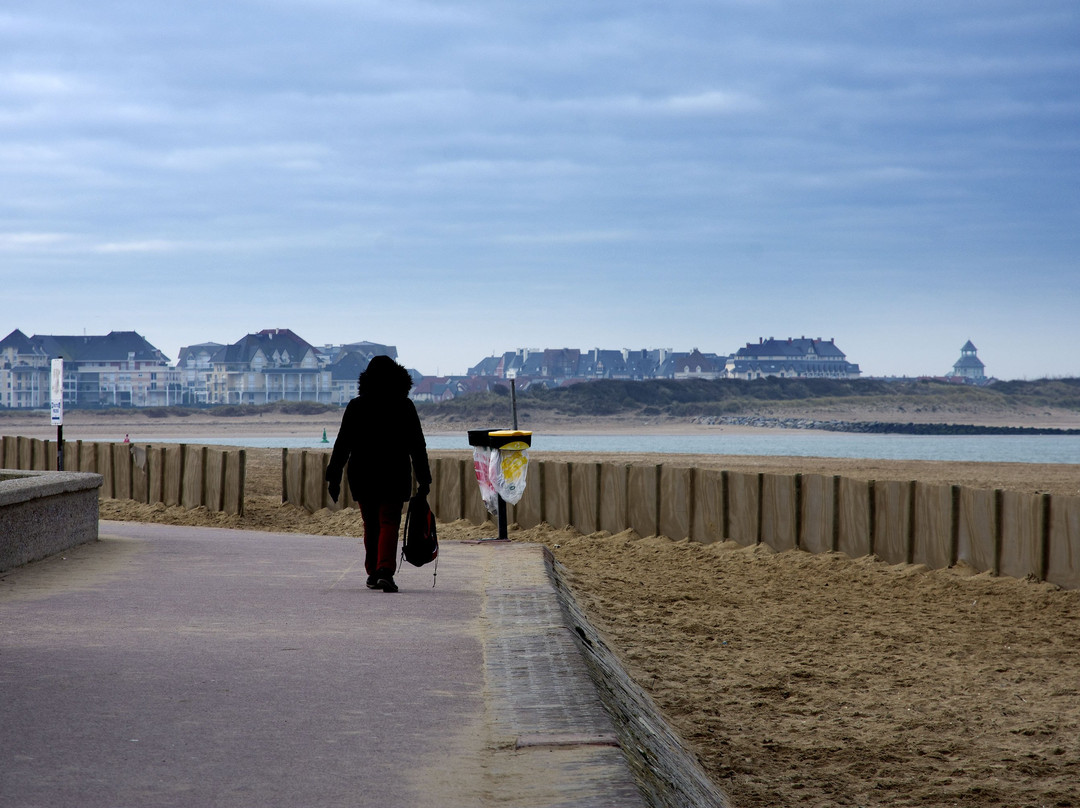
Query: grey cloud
[{"x": 580, "y": 141}]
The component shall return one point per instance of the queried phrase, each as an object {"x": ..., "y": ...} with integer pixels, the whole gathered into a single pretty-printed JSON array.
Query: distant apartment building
[
  {"x": 194, "y": 368},
  {"x": 556, "y": 366},
  {"x": 693, "y": 365},
  {"x": 274, "y": 365},
  {"x": 271, "y": 365},
  {"x": 119, "y": 369},
  {"x": 791, "y": 358},
  {"x": 24, "y": 372},
  {"x": 800, "y": 358}
]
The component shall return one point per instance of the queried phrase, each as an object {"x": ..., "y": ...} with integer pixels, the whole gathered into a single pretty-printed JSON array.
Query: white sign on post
[{"x": 57, "y": 395}]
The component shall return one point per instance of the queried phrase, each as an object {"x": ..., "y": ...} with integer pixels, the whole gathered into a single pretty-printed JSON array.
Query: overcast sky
[{"x": 462, "y": 179}]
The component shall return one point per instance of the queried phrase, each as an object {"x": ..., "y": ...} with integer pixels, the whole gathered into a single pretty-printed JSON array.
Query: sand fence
[
  {"x": 1019, "y": 535},
  {"x": 1008, "y": 533},
  {"x": 171, "y": 474}
]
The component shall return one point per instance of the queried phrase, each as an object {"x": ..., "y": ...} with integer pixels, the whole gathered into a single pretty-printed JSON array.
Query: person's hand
[
  {"x": 423, "y": 489},
  {"x": 334, "y": 489}
]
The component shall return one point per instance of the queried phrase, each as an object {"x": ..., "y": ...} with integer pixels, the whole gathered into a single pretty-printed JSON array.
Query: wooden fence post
[
  {"x": 999, "y": 510},
  {"x": 1044, "y": 539},
  {"x": 284, "y": 475}
]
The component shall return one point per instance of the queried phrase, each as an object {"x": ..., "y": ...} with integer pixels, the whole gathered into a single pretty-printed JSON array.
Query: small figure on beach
[
  {"x": 127, "y": 438},
  {"x": 382, "y": 441}
]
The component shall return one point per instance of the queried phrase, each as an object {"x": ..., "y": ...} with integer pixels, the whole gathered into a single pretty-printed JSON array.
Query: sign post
[{"x": 57, "y": 400}]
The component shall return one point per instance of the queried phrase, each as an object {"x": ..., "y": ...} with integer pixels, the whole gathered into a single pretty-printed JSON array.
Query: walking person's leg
[
  {"x": 370, "y": 512},
  {"x": 389, "y": 527}
]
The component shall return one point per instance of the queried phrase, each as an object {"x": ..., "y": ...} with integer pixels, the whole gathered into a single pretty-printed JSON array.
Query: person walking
[{"x": 380, "y": 436}]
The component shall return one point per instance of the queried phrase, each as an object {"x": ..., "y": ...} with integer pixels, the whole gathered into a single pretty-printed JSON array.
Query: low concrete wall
[{"x": 45, "y": 512}]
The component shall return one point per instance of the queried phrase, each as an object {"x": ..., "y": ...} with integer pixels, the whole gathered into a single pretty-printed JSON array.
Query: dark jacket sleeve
[
  {"x": 418, "y": 447},
  {"x": 342, "y": 446}
]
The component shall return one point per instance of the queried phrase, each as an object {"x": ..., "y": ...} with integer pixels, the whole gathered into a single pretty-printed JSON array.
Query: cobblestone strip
[{"x": 544, "y": 711}]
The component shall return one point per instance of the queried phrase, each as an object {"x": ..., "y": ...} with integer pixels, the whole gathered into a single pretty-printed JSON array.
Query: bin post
[{"x": 502, "y": 520}]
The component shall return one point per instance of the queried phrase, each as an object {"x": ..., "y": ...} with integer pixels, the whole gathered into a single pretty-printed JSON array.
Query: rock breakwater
[{"x": 876, "y": 427}]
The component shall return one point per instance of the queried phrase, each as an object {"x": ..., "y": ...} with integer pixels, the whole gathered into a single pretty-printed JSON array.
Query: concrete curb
[
  {"x": 543, "y": 710},
  {"x": 667, "y": 772}
]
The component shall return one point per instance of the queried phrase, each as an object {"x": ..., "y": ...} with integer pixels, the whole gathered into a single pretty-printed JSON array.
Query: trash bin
[{"x": 501, "y": 462}]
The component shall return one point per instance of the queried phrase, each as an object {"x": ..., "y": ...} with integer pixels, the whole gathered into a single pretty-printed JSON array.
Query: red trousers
[{"x": 382, "y": 523}]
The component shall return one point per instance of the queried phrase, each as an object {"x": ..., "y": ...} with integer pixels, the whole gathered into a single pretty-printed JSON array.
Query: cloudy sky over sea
[{"x": 465, "y": 178}]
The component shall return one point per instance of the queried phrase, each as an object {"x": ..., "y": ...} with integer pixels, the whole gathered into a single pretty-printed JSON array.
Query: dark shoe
[
  {"x": 387, "y": 584},
  {"x": 372, "y": 582}
]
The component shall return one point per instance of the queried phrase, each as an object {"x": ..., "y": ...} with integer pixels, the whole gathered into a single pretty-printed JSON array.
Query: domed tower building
[{"x": 969, "y": 367}]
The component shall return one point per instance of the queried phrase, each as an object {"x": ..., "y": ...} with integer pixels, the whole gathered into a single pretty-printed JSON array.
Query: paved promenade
[{"x": 177, "y": 666}]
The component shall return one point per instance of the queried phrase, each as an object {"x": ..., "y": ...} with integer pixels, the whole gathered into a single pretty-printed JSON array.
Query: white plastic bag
[
  {"x": 482, "y": 462},
  {"x": 509, "y": 473}
]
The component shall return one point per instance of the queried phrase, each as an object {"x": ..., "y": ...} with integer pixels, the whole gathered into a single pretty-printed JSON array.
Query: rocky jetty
[{"x": 877, "y": 427}]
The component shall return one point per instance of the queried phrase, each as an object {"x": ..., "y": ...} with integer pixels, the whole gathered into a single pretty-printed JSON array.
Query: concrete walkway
[{"x": 178, "y": 666}]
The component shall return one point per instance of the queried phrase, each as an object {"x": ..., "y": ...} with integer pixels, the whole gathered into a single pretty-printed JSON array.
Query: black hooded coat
[{"x": 380, "y": 436}]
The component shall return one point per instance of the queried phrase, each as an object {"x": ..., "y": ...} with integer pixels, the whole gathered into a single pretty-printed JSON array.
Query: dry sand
[{"x": 799, "y": 679}]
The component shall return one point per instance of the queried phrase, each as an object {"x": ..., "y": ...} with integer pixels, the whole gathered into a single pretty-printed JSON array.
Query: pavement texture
[{"x": 178, "y": 666}]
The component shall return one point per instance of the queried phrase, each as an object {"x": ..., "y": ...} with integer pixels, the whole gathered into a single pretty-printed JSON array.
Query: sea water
[{"x": 779, "y": 442}]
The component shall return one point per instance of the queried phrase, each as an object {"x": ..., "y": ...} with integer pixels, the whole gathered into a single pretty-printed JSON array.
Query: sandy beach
[
  {"x": 799, "y": 679},
  {"x": 145, "y": 425}
]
